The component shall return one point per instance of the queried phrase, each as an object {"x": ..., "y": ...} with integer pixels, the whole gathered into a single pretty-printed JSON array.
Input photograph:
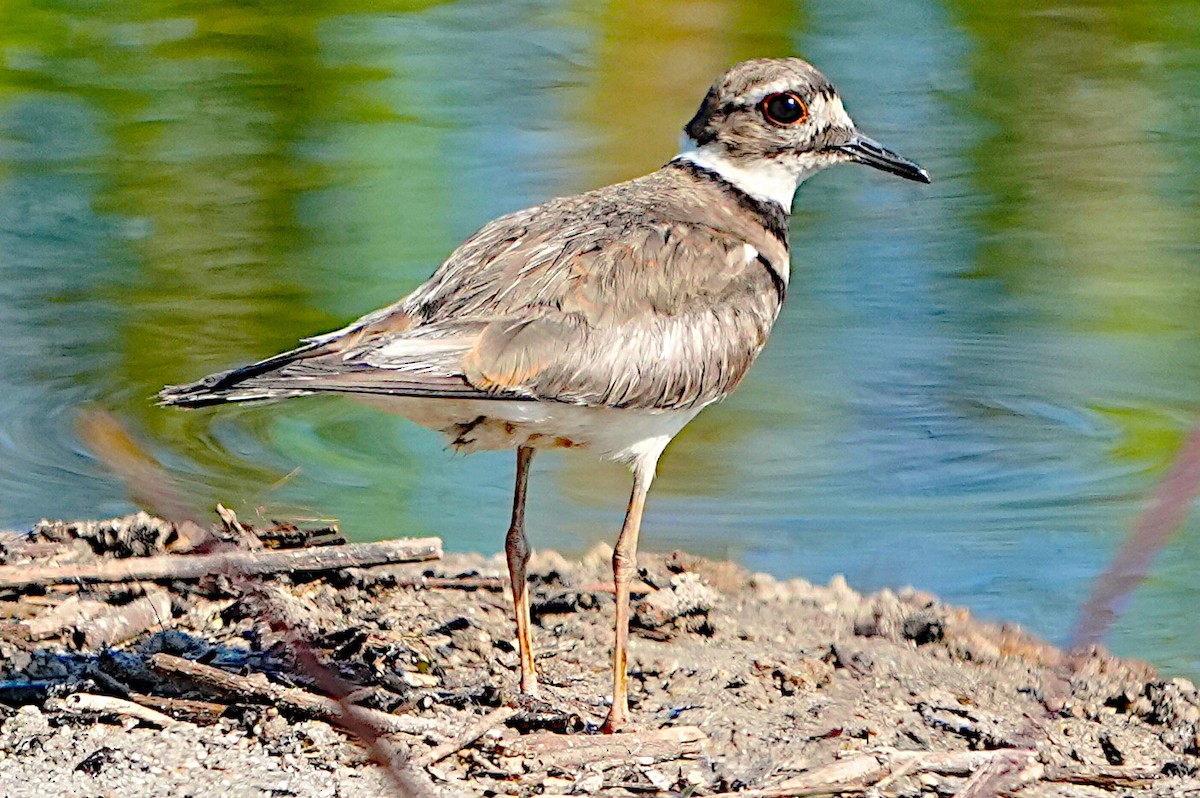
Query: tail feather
[
  {"x": 310, "y": 370},
  {"x": 236, "y": 385},
  {"x": 197, "y": 394}
]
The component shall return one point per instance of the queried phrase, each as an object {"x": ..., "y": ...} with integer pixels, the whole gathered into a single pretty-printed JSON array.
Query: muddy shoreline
[{"x": 739, "y": 683}]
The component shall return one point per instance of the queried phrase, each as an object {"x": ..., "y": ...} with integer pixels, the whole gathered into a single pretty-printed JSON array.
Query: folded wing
[{"x": 547, "y": 304}]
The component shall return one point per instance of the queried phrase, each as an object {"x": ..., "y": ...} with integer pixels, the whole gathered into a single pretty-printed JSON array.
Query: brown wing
[
  {"x": 595, "y": 299},
  {"x": 655, "y": 315},
  {"x": 673, "y": 319}
]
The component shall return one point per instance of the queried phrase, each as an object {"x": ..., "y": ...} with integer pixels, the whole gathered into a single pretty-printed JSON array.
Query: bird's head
[{"x": 769, "y": 123}]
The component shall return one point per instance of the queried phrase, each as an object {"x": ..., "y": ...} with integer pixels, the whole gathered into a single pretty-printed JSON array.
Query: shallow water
[{"x": 972, "y": 388}]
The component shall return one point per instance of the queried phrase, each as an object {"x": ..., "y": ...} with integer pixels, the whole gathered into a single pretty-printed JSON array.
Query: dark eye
[{"x": 785, "y": 108}]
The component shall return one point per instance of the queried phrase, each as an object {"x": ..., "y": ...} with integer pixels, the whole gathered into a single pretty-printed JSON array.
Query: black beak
[{"x": 867, "y": 151}]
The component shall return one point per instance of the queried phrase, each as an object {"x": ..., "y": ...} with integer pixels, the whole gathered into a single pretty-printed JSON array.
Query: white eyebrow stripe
[{"x": 766, "y": 91}]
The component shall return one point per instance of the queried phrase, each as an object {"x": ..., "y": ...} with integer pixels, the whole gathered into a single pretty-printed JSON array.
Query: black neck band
[{"x": 770, "y": 214}]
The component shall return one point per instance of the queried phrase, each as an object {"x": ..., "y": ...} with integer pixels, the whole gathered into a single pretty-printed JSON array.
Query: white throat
[{"x": 767, "y": 179}]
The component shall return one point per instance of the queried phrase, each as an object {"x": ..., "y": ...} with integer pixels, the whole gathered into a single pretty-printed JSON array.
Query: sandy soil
[{"x": 739, "y": 683}]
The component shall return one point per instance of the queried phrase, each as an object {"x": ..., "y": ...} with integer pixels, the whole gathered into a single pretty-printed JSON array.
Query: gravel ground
[
  {"x": 739, "y": 682},
  {"x": 41, "y": 755}
]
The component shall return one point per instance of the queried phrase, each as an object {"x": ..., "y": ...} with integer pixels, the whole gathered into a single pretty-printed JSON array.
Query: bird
[{"x": 602, "y": 322}]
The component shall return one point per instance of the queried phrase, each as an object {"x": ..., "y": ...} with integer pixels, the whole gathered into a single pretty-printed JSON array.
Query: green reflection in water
[
  {"x": 1093, "y": 222},
  {"x": 1088, "y": 158}
]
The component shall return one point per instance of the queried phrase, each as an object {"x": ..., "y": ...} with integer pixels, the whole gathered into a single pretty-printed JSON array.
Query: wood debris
[
  {"x": 116, "y": 623},
  {"x": 259, "y": 688},
  {"x": 103, "y": 704},
  {"x": 241, "y": 563}
]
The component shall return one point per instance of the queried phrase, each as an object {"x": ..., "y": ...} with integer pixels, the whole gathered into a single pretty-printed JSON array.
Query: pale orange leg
[
  {"x": 516, "y": 548},
  {"x": 624, "y": 568}
]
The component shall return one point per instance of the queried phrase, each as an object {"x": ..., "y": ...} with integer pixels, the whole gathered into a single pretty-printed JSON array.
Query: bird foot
[{"x": 613, "y": 725}]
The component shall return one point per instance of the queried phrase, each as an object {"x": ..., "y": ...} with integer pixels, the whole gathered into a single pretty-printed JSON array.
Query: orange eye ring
[{"x": 785, "y": 108}]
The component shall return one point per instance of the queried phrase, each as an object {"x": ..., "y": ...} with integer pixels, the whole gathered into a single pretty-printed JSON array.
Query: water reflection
[{"x": 971, "y": 389}]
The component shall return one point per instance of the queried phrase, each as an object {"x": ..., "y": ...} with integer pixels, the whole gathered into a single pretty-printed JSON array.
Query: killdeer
[{"x": 604, "y": 321}]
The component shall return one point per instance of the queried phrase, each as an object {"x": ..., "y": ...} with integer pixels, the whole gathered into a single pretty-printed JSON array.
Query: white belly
[{"x": 612, "y": 433}]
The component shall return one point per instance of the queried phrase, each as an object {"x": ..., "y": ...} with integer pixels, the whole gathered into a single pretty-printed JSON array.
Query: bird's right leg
[
  {"x": 516, "y": 548},
  {"x": 624, "y": 569}
]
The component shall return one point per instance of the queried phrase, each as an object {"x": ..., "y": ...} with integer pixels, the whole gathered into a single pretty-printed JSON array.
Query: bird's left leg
[{"x": 516, "y": 548}]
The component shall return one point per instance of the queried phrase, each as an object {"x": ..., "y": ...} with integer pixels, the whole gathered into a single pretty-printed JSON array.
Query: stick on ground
[
  {"x": 258, "y": 689},
  {"x": 489, "y": 721},
  {"x": 118, "y": 623},
  {"x": 201, "y": 713},
  {"x": 72, "y": 613},
  {"x": 243, "y": 563},
  {"x": 570, "y": 750},
  {"x": 103, "y": 704}
]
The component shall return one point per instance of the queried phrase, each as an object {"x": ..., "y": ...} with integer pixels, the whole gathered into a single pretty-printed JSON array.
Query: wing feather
[{"x": 605, "y": 298}]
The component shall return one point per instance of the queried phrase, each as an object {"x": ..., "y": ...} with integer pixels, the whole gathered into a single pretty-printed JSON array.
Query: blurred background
[{"x": 972, "y": 389}]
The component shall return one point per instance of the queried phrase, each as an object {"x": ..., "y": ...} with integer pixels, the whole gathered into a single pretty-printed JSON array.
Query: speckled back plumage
[{"x": 654, "y": 293}]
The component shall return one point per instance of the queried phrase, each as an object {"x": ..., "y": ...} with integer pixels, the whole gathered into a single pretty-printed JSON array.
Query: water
[{"x": 972, "y": 388}]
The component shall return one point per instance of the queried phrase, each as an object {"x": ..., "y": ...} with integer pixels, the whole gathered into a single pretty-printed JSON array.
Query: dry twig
[
  {"x": 74, "y": 612},
  {"x": 116, "y": 623},
  {"x": 1006, "y": 773},
  {"x": 107, "y": 705},
  {"x": 242, "y": 563},
  {"x": 992, "y": 772},
  {"x": 489, "y": 721},
  {"x": 570, "y": 750},
  {"x": 258, "y": 689},
  {"x": 202, "y": 713}
]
